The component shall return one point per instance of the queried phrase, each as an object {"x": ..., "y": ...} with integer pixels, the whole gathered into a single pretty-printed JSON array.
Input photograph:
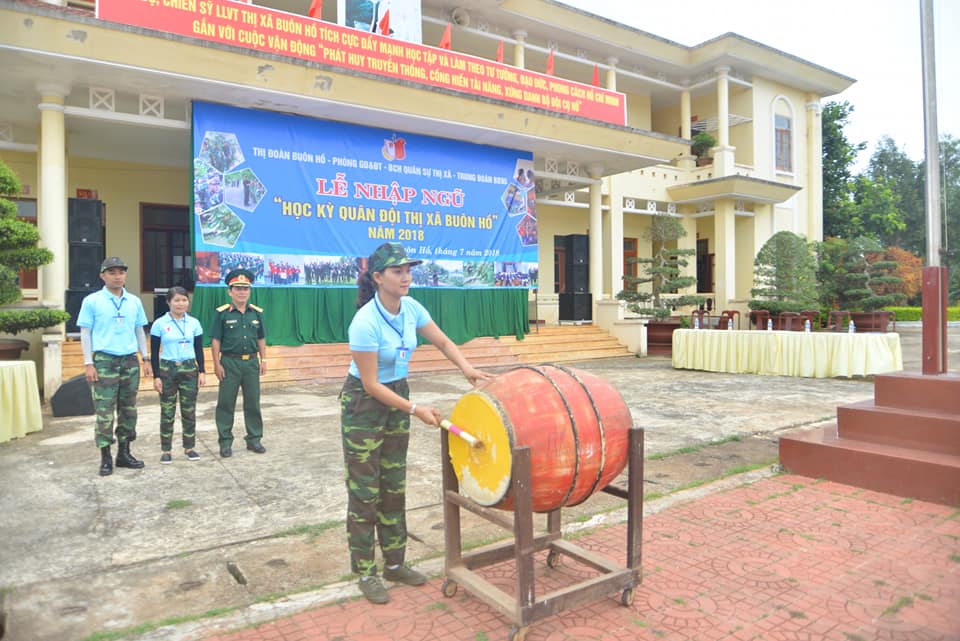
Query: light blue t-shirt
[
  {"x": 374, "y": 329},
  {"x": 176, "y": 337},
  {"x": 112, "y": 321}
]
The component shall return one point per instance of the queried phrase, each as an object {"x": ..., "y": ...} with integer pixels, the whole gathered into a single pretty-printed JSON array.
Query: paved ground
[{"x": 85, "y": 555}]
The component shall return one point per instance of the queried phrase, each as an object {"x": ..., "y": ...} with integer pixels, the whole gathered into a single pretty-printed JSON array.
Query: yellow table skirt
[
  {"x": 19, "y": 400},
  {"x": 809, "y": 354}
]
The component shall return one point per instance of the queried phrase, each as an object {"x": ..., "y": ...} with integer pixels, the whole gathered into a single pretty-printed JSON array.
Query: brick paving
[{"x": 783, "y": 559}]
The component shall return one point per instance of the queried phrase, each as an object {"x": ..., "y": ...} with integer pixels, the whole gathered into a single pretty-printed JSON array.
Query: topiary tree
[
  {"x": 784, "y": 275},
  {"x": 855, "y": 275},
  {"x": 662, "y": 271},
  {"x": 18, "y": 251}
]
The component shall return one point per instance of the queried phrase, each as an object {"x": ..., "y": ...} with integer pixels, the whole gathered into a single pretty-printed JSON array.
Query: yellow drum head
[{"x": 484, "y": 472}]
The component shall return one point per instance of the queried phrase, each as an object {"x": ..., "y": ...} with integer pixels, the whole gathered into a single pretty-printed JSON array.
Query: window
[
  {"x": 27, "y": 212},
  {"x": 167, "y": 259},
  {"x": 784, "y": 143},
  {"x": 629, "y": 251}
]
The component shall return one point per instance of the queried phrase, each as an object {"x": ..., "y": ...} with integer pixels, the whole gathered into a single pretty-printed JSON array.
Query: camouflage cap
[
  {"x": 239, "y": 277},
  {"x": 112, "y": 261},
  {"x": 389, "y": 255}
]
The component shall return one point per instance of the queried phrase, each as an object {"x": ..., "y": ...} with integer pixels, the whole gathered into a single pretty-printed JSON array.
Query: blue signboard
[{"x": 301, "y": 202}]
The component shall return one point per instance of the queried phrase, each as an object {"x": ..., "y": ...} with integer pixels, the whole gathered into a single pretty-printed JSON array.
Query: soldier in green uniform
[{"x": 239, "y": 350}]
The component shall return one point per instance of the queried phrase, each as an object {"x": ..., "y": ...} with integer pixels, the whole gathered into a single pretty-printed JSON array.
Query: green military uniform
[{"x": 238, "y": 333}]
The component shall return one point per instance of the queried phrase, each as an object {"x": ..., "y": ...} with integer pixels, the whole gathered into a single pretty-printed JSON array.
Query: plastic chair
[
  {"x": 759, "y": 318},
  {"x": 789, "y": 321},
  {"x": 812, "y": 315},
  {"x": 703, "y": 316},
  {"x": 838, "y": 320},
  {"x": 728, "y": 315}
]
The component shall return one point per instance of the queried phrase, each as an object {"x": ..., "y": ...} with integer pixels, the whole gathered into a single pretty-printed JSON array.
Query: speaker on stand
[{"x": 86, "y": 253}]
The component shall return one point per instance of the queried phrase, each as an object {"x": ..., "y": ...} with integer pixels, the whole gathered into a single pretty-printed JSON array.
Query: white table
[
  {"x": 780, "y": 353},
  {"x": 19, "y": 400}
]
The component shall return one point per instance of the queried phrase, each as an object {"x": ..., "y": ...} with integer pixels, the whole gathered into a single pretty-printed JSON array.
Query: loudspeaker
[
  {"x": 85, "y": 220},
  {"x": 73, "y": 398},
  {"x": 578, "y": 249},
  {"x": 578, "y": 278},
  {"x": 85, "y": 260},
  {"x": 74, "y": 299},
  {"x": 576, "y": 307}
]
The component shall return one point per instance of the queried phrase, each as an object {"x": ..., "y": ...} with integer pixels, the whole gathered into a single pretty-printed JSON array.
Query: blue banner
[{"x": 302, "y": 202}]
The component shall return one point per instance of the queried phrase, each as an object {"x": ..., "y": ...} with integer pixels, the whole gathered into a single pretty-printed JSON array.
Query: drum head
[{"x": 485, "y": 472}]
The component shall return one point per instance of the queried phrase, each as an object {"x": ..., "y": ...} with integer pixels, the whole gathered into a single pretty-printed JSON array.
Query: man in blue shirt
[{"x": 111, "y": 323}]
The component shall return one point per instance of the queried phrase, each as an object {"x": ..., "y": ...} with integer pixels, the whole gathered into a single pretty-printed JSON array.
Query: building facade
[{"x": 98, "y": 110}]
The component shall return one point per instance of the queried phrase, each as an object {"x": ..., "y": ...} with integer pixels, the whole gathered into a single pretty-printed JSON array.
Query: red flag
[
  {"x": 550, "y": 63},
  {"x": 446, "y": 40},
  {"x": 596, "y": 75},
  {"x": 385, "y": 23},
  {"x": 316, "y": 8},
  {"x": 500, "y": 52}
]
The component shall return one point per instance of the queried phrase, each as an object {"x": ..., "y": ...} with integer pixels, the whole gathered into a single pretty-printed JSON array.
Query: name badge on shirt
[
  {"x": 185, "y": 342},
  {"x": 402, "y": 365}
]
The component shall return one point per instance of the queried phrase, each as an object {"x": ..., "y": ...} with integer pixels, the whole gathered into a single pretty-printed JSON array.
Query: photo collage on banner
[{"x": 301, "y": 202}]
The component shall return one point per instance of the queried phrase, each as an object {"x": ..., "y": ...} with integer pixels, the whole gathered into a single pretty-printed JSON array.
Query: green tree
[
  {"x": 662, "y": 271},
  {"x": 892, "y": 167},
  {"x": 839, "y": 154},
  {"x": 784, "y": 275},
  {"x": 19, "y": 251},
  {"x": 856, "y": 275},
  {"x": 874, "y": 211}
]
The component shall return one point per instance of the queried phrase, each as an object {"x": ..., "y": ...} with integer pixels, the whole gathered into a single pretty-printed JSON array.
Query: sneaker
[
  {"x": 166, "y": 458},
  {"x": 373, "y": 588},
  {"x": 192, "y": 455},
  {"x": 404, "y": 575}
]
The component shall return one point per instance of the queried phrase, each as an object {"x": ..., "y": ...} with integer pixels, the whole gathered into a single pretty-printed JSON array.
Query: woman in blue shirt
[
  {"x": 375, "y": 415},
  {"x": 176, "y": 354}
]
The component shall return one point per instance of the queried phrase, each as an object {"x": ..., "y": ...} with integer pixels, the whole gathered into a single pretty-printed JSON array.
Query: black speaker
[
  {"x": 85, "y": 260},
  {"x": 576, "y": 307},
  {"x": 74, "y": 299},
  {"x": 578, "y": 278},
  {"x": 578, "y": 249},
  {"x": 73, "y": 398},
  {"x": 85, "y": 218}
]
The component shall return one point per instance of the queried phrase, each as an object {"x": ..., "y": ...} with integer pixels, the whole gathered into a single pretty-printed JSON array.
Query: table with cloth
[
  {"x": 19, "y": 400},
  {"x": 783, "y": 353}
]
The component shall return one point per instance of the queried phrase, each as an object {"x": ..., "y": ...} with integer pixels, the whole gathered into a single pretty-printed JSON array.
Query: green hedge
[{"x": 916, "y": 313}]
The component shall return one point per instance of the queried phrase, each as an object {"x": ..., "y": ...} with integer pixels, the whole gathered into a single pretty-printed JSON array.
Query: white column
[
  {"x": 596, "y": 232},
  {"x": 814, "y": 170},
  {"x": 615, "y": 218},
  {"x": 723, "y": 160},
  {"x": 685, "y": 114},
  {"x": 519, "y": 47},
  {"x": 725, "y": 252},
  {"x": 52, "y": 206},
  {"x": 611, "y": 79}
]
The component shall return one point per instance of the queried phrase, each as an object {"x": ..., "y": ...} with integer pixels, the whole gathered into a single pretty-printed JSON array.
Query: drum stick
[{"x": 453, "y": 429}]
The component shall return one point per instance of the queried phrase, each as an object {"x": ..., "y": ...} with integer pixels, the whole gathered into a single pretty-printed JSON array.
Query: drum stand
[{"x": 526, "y": 608}]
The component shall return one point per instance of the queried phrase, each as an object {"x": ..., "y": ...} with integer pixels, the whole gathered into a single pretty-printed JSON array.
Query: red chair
[
  {"x": 812, "y": 315},
  {"x": 838, "y": 320},
  {"x": 789, "y": 321},
  {"x": 703, "y": 316},
  {"x": 727, "y": 316},
  {"x": 759, "y": 318}
]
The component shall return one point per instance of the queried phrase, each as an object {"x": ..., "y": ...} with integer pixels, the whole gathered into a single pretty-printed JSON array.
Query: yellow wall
[{"x": 638, "y": 111}]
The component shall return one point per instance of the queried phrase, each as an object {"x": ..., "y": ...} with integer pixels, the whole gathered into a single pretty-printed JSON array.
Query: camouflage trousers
[
  {"x": 178, "y": 378},
  {"x": 115, "y": 391},
  {"x": 375, "y": 439}
]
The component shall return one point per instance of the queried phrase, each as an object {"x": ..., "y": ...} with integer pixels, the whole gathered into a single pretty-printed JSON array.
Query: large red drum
[{"x": 575, "y": 424}]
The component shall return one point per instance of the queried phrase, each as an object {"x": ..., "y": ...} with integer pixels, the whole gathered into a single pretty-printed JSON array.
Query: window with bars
[{"x": 165, "y": 239}]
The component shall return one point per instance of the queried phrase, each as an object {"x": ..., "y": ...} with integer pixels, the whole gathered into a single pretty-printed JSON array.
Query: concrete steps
[
  {"x": 906, "y": 441},
  {"x": 329, "y": 361}
]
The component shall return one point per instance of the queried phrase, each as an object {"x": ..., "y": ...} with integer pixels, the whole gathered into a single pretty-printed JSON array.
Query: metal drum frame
[{"x": 526, "y": 607}]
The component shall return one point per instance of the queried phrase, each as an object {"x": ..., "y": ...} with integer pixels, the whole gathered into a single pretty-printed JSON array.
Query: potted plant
[
  {"x": 702, "y": 144},
  {"x": 856, "y": 277},
  {"x": 784, "y": 276},
  {"x": 18, "y": 251},
  {"x": 663, "y": 272}
]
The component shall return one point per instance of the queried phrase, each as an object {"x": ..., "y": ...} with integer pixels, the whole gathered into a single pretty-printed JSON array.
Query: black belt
[{"x": 242, "y": 357}]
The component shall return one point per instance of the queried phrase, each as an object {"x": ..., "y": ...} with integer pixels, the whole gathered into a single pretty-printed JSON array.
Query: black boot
[
  {"x": 125, "y": 458},
  {"x": 106, "y": 461}
]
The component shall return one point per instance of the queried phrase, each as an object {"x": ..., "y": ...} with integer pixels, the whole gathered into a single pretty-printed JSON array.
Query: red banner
[{"x": 244, "y": 25}]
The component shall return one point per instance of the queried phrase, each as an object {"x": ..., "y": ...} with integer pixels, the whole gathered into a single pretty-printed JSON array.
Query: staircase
[
  {"x": 906, "y": 441},
  {"x": 328, "y": 362}
]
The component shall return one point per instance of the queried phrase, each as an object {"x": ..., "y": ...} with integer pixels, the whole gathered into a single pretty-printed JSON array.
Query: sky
[{"x": 876, "y": 42}]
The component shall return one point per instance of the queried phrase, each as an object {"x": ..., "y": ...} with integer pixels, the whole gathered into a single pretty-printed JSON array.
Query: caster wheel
[
  {"x": 626, "y": 599},
  {"x": 518, "y": 634},
  {"x": 554, "y": 559},
  {"x": 448, "y": 588}
]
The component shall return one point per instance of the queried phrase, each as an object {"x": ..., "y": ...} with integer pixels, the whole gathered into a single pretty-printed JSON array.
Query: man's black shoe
[
  {"x": 125, "y": 457},
  {"x": 225, "y": 451},
  {"x": 256, "y": 447},
  {"x": 106, "y": 461}
]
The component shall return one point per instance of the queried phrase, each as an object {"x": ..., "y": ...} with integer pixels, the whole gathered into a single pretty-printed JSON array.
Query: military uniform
[{"x": 239, "y": 333}]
